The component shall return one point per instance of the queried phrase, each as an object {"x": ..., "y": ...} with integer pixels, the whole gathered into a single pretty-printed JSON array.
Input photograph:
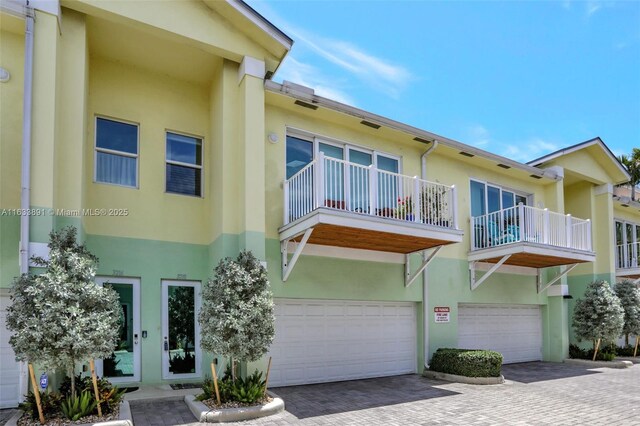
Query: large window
[
  {"x": 184, "y": 164},
  {"x": 116, "y": 156},
  {"x": 627, "y": 244},
  {"x": 487, "y": 198}
]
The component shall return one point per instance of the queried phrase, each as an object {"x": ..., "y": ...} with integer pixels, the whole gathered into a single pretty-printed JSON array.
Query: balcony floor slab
[{"x": 532, "y": 255}]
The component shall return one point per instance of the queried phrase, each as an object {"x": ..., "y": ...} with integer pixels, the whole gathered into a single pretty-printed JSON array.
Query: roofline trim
[
  {"x": 262, "y": 22},
  {"x": 309, "y": 96},
  {"x": 573, "y": 148}
]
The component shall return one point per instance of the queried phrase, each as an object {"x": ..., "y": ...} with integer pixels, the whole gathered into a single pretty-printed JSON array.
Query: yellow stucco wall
[
  {"x": 157, "y": 103},
  {"x": 12, "y": 59}
]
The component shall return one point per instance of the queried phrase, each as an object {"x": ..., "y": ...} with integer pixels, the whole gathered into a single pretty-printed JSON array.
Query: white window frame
[
  {"x": 528, "y": 196},
  {"x": 625, "y": 243},
  {"x": 97, "y": 149},
  {"x": 179, "y": 163}
]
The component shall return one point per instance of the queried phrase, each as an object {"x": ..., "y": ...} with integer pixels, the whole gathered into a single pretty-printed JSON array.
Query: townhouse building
[{"x": 157, "y": 131}]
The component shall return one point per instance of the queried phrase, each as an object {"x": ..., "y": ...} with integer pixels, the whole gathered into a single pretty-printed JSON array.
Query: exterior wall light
[
  {"x": 4, "y": 75},
  {"x": 273, "y": 138}
]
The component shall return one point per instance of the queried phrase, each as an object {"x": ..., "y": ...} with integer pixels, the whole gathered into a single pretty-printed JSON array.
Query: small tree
[
  {"x": 599, "y": 316},
  {"x": 629, "y": 296},
  {"x": 236, "y": 318},
  {"x": 61, "y": 316}
]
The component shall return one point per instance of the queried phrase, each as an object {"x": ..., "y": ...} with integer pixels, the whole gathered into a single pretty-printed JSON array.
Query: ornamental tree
[
  {"x": 236, "y": 318},
  {"x": 629, "y": 296},
  {"x": 61, "y": 317},
  {"x": 599, "y": 316}
]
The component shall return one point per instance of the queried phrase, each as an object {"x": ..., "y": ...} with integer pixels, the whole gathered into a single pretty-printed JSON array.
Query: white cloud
[
  {"x": 524, "y": 151},
  {"x": 308, "y": 75},
  {"x": 527, "y": 150},
  {"x": 376, "y": 72},
  {"x": 478, "y": 136},
  {"x": 592, "y": 7}
]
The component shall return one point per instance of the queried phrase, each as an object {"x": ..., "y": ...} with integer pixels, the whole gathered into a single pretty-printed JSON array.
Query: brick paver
[{"x": 535, "y": 394}]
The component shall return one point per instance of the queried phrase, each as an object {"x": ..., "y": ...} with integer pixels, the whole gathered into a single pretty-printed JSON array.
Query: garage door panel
[
  {"x": 9, "y": 368},
  {"x": 350, "y": 340},
  {"x": 513, "y": 330}
]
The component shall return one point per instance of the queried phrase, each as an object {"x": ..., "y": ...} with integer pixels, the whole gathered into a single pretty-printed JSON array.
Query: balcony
[
  {"x": 337, "y": 203},
  {"x": 530, "y": 237},
  {"x": 627, "y": 264}
]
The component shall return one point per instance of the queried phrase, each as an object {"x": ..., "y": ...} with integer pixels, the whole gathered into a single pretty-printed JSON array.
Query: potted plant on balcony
[
  {"x": 434, "y": 206},
  {"x": 405, "y": 209}
]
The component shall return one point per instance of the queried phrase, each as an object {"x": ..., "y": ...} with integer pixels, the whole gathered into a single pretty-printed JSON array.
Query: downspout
[
  {"x": 425, "y": 284},
  {"x": 25, "y": 178}
]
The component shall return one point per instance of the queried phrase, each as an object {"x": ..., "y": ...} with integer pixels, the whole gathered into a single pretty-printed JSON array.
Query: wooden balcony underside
[
  {"x": 366, "y": 239},
  {"x": 357, "y": 231},
  {"x": 630, "y": 273},
  {"x": 532, "y": 255}
]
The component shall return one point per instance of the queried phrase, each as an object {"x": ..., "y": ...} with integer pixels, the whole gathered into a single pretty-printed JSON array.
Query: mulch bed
[
  {"x": 211, "y": 403},
  {"x": 58, "y": 420}
]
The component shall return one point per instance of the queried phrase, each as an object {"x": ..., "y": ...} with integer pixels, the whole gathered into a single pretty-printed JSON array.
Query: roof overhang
[{"x": 308, "y": 96}]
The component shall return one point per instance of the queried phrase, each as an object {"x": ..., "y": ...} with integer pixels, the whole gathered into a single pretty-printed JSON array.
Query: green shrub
[
  {"x": 625, "y": 350},
  {"x": 467, "y": 362},
  {"x": 110, "y": 396},
  {"x": 247, "y": 391},
  {"x": 50, "y": 404},
  {"x": 76, "y": 407},
  {"x": 606, "y": 353}
]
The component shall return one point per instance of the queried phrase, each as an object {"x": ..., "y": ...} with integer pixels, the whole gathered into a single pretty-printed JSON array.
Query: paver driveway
[{"x": 535, "y": 394}]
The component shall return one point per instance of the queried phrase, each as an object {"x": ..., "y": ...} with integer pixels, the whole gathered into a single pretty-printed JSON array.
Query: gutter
[
  {"x": 297, "y": 92},
  {"x": 425, "y": 274},
  {"x": 25, "y": 177}
]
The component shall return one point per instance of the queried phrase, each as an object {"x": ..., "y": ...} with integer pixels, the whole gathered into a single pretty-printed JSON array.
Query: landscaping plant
[
  {"x": 598, "y": 316},
  {"x": 629, "y": 296},
  {"x": 60, "y": 317},
  {"x": 236, "y": 318},
  {"x": 467, "y": 362},
  {"x": 75, "y": 407},
  {"x": 50, "y": 402},
  {"x": 110, "y": 395}
]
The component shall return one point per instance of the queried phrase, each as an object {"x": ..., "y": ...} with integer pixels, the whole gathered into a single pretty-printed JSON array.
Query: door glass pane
[
  {"x": 507, "y": 199},
  {"x": 619, "y": 236},
  {"x": 182, "y": 357},
  {"x": 120, "y": 363},
  {"x": 333, "y": 177},
  {"x": 388, "y": 183},
  {"x": 521, "y": 199},
  {"x": 299, "y": 154},
  {"x": 388, "y": 164},
  {"x": 493, "y": 199},
  {"x": 629, "y": 240},
  {"x": 477, "y": 199},
  {"x": 359, "y": 181}
]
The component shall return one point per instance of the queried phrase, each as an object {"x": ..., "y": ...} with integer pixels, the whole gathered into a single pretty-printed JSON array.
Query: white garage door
[
  {"x": 9, "y": 368},
  {"x": 513, "y": 330},
  {"x": 325, "y": 341}
]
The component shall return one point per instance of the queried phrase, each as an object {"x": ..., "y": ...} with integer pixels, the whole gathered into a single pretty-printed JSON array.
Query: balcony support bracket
[
  {"x": 563, "y": 272},
  {"x": 474, "y": 282},
  {"x": 287, "y": 265},
  {"x": 637, "y": 281},
  {"x": 410, "y": 278}
]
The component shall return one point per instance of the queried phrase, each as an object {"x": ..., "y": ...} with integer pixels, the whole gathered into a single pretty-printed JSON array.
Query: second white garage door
[
  {"x": 324, "y": 341},
  {"x": 513, "y": 330}
]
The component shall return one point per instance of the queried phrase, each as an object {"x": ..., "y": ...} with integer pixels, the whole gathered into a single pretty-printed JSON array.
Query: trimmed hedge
[{"x": 467, "y": 362}]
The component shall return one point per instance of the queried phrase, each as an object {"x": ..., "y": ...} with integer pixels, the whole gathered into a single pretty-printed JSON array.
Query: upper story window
[
  {"x": 487, "y": 198},
  {"x": 184, "y": 164},
  {"x": 116, "y": 154}
]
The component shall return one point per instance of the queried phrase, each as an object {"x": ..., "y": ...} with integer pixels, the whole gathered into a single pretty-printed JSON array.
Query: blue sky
[{"x": 520, "y": 79}]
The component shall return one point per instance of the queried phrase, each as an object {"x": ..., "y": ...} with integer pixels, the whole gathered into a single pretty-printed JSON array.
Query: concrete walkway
[{"x": 535, "y": 394}]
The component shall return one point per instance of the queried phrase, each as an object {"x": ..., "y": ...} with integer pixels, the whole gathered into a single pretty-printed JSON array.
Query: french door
[
  {"x": 180, "y": 329},
  {"x": 124, "y": 364}
]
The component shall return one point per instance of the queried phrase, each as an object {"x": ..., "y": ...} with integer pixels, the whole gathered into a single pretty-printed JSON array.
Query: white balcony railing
[
  {"x": 627, "y": 256},
  {"x": 342, "y": 185},
  {"x": 529, "y": 224}
]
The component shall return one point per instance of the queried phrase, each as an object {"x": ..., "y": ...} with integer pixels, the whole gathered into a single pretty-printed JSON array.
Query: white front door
[
  {"x": 124, "y": 363},
  {"x": 180, "y": 329},
  {"x": 331, "y": 340},
  {"x": 513, "y": 330}
]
